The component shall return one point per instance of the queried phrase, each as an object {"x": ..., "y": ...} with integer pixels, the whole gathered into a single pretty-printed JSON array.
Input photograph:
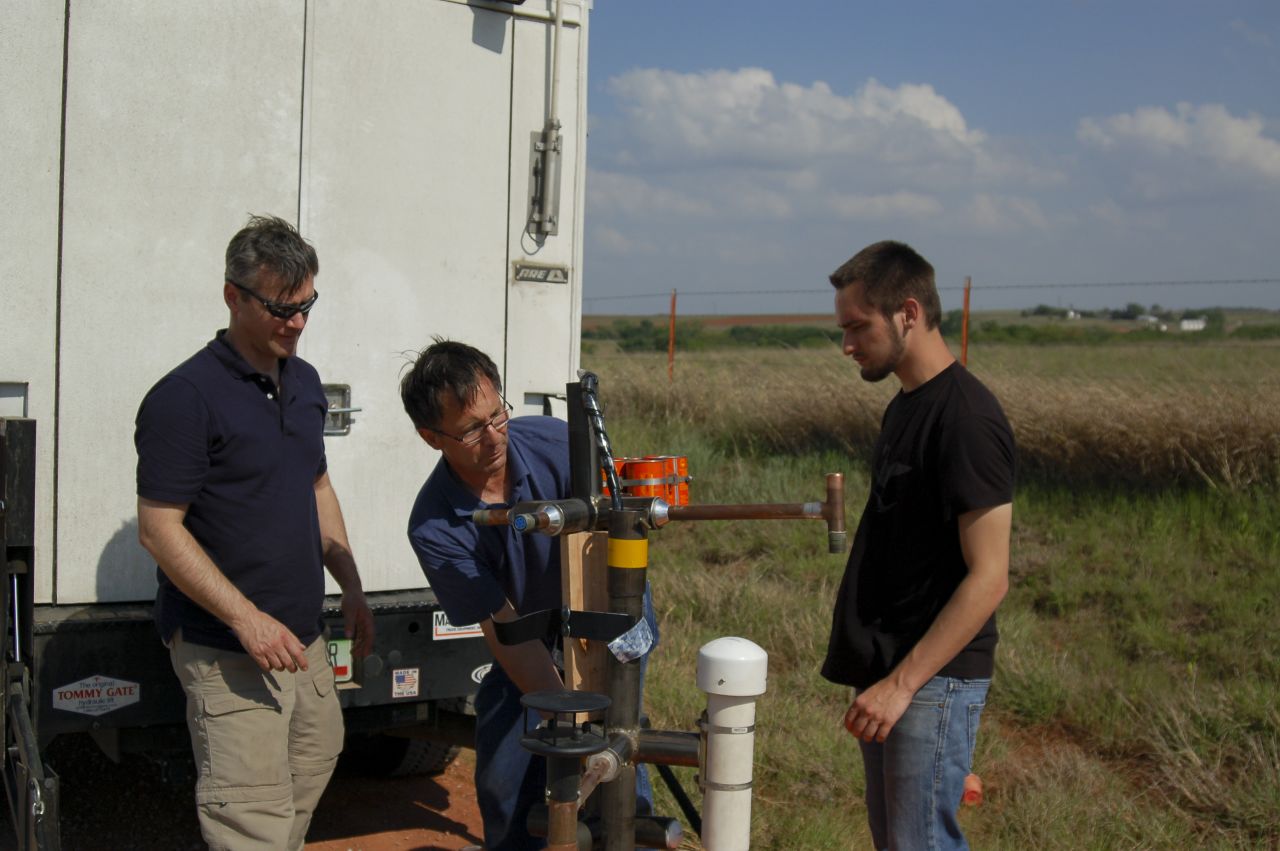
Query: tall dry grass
[{"x": 1125, "y": 421}]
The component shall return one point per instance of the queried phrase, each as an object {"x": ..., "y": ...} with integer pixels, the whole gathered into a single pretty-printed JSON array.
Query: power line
[
  {"x": 949, "y": 288},
  {"x": 1081, "y": 284}
]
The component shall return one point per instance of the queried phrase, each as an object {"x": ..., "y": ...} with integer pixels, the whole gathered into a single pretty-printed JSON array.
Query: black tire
[{"x": 380, "y": 755}]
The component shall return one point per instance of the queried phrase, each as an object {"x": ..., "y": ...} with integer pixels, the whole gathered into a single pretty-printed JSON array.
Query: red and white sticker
[
  {"x": 340, "y": 659},
  {"x": 442, "y": 630},
  {"x": 96, "y": 695}
]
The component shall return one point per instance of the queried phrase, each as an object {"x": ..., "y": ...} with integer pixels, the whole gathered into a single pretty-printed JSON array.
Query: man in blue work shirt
[{"x": 453, "y": 395}]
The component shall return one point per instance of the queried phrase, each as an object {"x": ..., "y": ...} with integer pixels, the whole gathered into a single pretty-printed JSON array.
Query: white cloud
[
  {"x": 996, "y": 213},
  {"x": 1256, "y": 37},
  {"x": 896, "y": 205},
  {"x": 746, "y": 116},
  {"x": 610, "y": 192},
  {"x": 1207, "y": 133},
  {"x": 1115, "y": 217},
  {"x": 919, "y": 103},
  {"x": 741, "y": 146},
  {"x": 613, "y": 241}
]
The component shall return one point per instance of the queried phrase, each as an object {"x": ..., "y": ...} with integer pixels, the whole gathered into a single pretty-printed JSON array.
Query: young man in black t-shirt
[{"x": 914, "y": 630}]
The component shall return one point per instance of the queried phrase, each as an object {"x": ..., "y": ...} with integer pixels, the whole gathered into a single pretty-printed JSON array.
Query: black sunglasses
[{"x": 279, "y": 309}]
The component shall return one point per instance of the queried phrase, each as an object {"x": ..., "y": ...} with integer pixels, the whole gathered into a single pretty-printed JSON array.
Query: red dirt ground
[
  {"x": 400, "y": 813},
  {"x": 130, "y": 805}
]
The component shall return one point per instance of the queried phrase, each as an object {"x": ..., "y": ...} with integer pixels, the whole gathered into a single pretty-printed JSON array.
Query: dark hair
[
  {"x": 890, "y": 273},
  {"x": 444, "y": 367},
  {"x": 270, "y": 248}
]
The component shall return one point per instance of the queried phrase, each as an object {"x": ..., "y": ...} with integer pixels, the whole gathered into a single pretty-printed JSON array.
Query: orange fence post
[
  {"x": 671, "y": 342},
  {"x": 964, "y": 324}
]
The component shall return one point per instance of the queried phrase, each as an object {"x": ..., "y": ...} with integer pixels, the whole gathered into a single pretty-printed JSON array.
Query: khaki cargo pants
[{"x": 265, "y": 744}]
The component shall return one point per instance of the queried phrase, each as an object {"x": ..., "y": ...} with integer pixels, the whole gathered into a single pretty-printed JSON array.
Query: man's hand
[
  {"x": 270, "y": 643},
  {"x": 357, "y": 622},
  {"x": 873, "y": 713}
]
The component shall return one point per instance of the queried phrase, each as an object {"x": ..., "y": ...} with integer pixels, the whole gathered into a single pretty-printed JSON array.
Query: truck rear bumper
[{"x": 102, "y": 668}]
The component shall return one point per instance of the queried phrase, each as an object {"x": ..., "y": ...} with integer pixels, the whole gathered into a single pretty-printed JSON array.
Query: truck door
[{"x": 168, "y": 147}]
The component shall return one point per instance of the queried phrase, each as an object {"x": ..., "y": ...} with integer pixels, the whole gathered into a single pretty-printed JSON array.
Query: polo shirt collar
[
  {"x": 464, "y": 502},
  {"x": 235, "y": 363}
]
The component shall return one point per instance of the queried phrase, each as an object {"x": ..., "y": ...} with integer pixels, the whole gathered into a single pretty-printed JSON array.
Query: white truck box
[{"x": 137, "y": 137}]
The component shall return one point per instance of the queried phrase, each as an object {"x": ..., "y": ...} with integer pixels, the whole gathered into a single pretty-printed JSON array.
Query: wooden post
[
  {"x": 584, "y": 586},
  {"x": 964, "y": 324},
  {"x": 671, "y": 342}
]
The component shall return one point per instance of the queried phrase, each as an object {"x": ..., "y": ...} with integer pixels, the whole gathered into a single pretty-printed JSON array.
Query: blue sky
[{"x": 755, "y": 146}]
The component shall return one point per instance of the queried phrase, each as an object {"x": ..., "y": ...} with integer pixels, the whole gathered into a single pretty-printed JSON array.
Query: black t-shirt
[{"x": 945, "y": 448}]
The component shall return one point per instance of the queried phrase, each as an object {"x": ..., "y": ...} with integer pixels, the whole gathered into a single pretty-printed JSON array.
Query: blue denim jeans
[{"x": 915, "y": 779}]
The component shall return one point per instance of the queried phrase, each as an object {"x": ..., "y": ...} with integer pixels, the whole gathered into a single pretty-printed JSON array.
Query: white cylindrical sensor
[{"x": 732, "y": 671}]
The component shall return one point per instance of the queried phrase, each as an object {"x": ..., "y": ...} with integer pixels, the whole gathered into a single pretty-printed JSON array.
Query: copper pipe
[
  {"x": 833, "y": 512},
  {"x": 590, "y": 780},
  {"x": 748, "y": 511},
  {"x": 562, "y": 826},
  {"x": 490, "y": 517}
]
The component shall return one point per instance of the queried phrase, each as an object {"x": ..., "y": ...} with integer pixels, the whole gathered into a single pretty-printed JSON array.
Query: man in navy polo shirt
[
  {"x": 236, "y": 507},
  {"x": 453, "y": 394}
]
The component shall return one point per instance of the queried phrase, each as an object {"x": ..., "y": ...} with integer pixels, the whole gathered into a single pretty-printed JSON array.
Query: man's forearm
[
  {"x": 984, "y": 543},
  {"x": 335, "y": 548},
  {"x": 972, "y": 603},
  {"x": 186, "y": 564},
  {"x": 528, "y": 664}
]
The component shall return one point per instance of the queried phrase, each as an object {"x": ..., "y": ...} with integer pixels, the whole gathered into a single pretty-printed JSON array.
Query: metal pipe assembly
[
  {"x": 564, "y": 743},
  {"x": 628, "y": 560},
  {"x": 732, "y": 672},
  {"x": 832, "y": 511}
]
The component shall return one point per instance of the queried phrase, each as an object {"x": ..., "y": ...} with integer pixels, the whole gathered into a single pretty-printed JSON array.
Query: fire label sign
[
  {"x": 96, "y": 695},
  {"x": 536, "y": 273}
]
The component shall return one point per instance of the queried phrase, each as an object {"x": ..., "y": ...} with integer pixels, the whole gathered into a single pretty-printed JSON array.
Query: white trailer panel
[
  {"x": 405, "y": 197},
  {"x": 398, "y": 135},
  {"x": 180, "y": 118},
  {"x": 543, "y": 315},
  {"x": 31, "y": 105}
]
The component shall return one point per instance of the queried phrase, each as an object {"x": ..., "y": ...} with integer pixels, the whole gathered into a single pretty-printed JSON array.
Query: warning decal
[{"x": 96, "y": 695}]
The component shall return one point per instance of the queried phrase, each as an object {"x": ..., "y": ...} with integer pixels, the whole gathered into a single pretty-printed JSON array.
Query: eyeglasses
[
  {"x": 280, "y": 309},
  {"x": 472, "y": 436}
]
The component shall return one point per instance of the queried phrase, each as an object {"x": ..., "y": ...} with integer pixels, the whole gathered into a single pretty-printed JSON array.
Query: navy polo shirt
[
  {"x": 244, "y": 456},
  {"x": 474, "y": 569}
]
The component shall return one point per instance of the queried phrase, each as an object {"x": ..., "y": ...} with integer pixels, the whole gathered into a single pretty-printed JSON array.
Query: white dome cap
[{"x": 732, "y": 666}]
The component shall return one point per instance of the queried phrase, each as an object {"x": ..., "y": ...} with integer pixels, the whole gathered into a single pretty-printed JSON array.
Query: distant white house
[{"x": 1194, "y": 323}]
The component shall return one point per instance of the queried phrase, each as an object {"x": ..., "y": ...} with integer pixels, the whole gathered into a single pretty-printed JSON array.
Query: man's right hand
[{"x": 271, "y": 644}]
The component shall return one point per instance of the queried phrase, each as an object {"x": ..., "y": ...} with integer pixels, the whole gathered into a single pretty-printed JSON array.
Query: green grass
[{"x": 1137, "y": 695}]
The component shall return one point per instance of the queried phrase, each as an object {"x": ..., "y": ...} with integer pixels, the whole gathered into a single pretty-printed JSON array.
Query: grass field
[{"x": 1137, "y": 695}]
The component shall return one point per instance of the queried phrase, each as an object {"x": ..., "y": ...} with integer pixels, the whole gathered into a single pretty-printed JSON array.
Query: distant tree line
[{"x": 646, "y": 335}]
